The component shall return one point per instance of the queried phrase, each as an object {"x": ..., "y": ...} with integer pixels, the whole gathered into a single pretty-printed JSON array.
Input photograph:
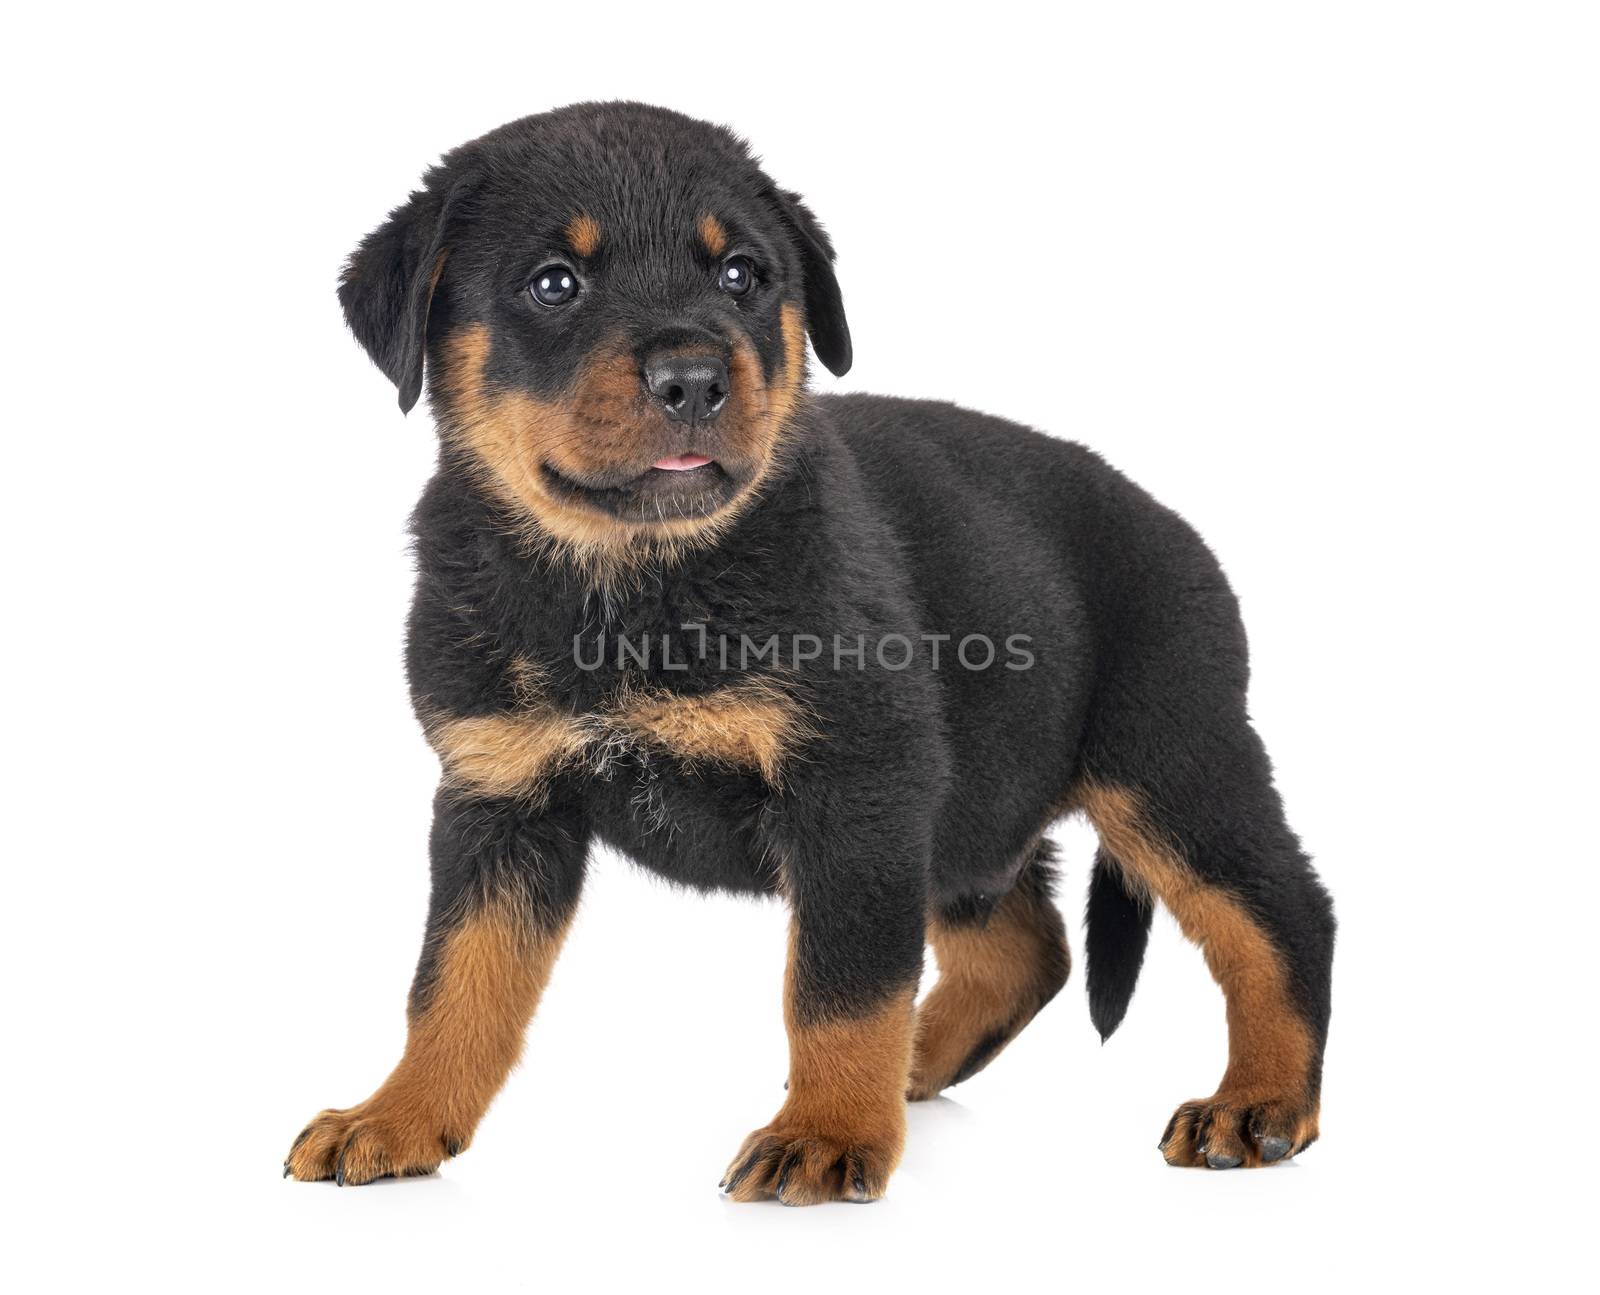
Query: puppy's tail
[{"x": 1118, "y": 931}]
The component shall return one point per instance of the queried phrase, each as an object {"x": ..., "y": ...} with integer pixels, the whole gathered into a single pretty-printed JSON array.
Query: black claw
[
  {"x": 789, "y": 1162},
  {"x": 738, "y": 1176},
  {"x": 1273, "y": 1149},
  {"x": 286, "y": 1170},
  {"x": 1223, "y": 1162},
  {"x": 1166, "y": 1136},
  {"x": 452, "y": 1148}
]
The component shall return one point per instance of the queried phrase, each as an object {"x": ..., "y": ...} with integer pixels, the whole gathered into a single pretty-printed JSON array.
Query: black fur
[
  {"x": 926, "y": 788},
  {"x": 1118, "y": 929}
]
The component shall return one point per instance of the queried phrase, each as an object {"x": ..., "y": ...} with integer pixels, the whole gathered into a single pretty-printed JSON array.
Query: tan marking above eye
[
  {"x": 583, "y": 234},
  {"x": 713, "y": 234}
]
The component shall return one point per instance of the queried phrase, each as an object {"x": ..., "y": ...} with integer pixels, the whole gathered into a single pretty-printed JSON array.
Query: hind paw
[{"x": 1225, "y": 1132}]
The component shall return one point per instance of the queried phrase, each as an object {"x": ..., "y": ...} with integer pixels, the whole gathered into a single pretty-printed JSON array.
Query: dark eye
[
  {"x": 555, "y": 285},
  {"x": 738, "y": 275}
]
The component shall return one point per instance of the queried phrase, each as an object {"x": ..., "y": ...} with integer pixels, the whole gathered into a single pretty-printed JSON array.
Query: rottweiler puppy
[{"x": 853, "y": 652}]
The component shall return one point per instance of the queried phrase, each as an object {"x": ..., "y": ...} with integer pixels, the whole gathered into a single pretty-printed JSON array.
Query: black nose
[{"x": 689, "y": 388}]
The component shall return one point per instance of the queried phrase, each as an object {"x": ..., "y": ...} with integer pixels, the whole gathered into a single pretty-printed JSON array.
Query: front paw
[
  {"x": 371, "y": 1141},
  {"x": 801, "y": 1165},
  {"x": 1232, "y": 1132}
]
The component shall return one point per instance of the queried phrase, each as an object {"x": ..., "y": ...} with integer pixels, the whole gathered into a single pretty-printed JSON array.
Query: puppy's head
[{"x": 611, "y": 302}]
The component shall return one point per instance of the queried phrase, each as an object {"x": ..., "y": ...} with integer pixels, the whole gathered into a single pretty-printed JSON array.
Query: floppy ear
[
  {"x": 825, "y": 321},
  {"x": 388, "y": 282}
]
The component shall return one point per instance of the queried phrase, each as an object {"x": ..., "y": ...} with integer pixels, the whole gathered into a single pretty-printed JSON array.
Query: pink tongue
[{"x": 682, "y": 462}]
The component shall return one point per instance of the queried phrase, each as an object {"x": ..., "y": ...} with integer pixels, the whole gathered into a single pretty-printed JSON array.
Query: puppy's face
[{"x": 612, "y": 302}]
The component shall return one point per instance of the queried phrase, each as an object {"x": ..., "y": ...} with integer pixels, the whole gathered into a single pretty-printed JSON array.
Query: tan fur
[
  {"x": 1270, "y": 1048},
  {"x": 993, "y": 978},
  {"x": 782, "y": 396},
  {"x": 528, "y": 680},
  {"x": 713, "y": 234},
  {"x": 754, "y": 725},
  {"x": 603, "y": 426},
  {"x": 460, "y": 1047},
  {"x": 583, "y": 235},
  {"x": 506, "y": 755},
  {"x": 847, "y": 1078},
  {"x": 844, "y": 1118}
]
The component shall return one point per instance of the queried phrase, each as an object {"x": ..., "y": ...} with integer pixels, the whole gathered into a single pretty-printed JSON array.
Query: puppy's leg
[
  {"x": 855, "y": 952},
  {"x": 998, "y": 965},
  {"x": 1204, "y": 834},
  {"x": 505, "y": 882}
]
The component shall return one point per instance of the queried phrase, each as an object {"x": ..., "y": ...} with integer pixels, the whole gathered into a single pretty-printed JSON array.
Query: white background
[{"x": 1324, "y": 278}]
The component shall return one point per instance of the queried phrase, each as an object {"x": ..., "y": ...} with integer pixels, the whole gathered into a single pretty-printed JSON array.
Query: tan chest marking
[
  {"x": 755, "y": 725},
  {"x": 506, "y": 755},
  {"x": 750, "y": 726}
]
